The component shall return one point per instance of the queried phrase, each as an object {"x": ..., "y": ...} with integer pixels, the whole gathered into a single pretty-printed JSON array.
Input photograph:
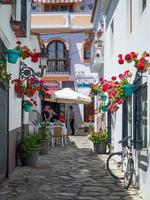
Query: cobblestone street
[{"x": 72, "y": 172}]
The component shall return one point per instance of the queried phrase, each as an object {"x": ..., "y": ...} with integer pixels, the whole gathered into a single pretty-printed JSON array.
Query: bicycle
[{"x": 120, "y": 165}]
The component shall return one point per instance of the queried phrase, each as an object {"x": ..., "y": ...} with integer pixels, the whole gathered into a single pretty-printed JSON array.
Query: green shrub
[{"x": 27, "y": 145}]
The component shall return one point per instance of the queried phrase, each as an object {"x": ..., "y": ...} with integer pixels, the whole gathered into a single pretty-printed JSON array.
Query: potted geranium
[
  {"x": 142, "y": 63},
  {"x": 43, "y": 128},
  {"x": 127, "y": 87},
  {"x": 28, "y": 149},
  {"x": 35, "y": 81},
  {"x": 100, "y": 140},
  {"x": 19, "y": 86},
  {"x": 28, "y": 104}
]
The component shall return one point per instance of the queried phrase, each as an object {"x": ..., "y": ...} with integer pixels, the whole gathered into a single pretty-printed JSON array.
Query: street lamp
[{"x": 43, "y": 59}]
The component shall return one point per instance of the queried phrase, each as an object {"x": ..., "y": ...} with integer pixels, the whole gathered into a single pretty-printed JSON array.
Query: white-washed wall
[
  {"x": 8, "y": 37},
  {"x": 124, "y": 42}
]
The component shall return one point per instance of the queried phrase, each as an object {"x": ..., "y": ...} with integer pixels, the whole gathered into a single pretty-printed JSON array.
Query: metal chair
[{"x": 56, "y": 134}]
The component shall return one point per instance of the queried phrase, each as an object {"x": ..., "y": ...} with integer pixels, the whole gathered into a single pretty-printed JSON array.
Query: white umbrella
[{"x": 68, "y": 95}]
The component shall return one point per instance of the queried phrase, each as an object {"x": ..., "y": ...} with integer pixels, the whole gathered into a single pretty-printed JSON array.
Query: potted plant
[
  {"x": 142, "y": 62},
  {"x": 28, "y": 149},
  {"x": 28, "y": 104},
  {"x": 42, "y": 129},
  {"x": 100, "y": 140},
  {"x": 128, "y": 89},
  {"x": 19, "y": 87},
  {"x": 12, "y": 55},
  {"x": 35, "y": 81}
]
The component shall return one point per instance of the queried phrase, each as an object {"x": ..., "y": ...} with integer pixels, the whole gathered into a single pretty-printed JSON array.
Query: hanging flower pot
[
  {"x": 104, "y": 108},
  {"x": 12, "y": 55},
  {"x": 128, "y": 89},
  {"x": 103, "y": 97},
  {"x": 27, "y": 107},
  {"x": 36, "y": 84}
]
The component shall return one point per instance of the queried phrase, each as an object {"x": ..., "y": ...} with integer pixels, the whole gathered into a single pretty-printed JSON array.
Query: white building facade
[
  {"x": 126, "y": 29},
  {"x": 14, "y": 26}
]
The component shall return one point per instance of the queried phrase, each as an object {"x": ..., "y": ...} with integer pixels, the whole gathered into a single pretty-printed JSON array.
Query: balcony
[
  {"x": 97, "y": 60},
  {"x": 46, "y": 21},
  {"x": 6, "y": 1},
  {"x": 58, "y": 63},
  {"x": 58, "y": 69}
]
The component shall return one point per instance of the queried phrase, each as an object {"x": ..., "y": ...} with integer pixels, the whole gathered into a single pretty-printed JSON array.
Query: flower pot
[
  {"x": 36, "y": 84},
  {"x": 104, "y": 108},
  {"x": 12, "y": 55},
  {"x": 100, "y": 148},
  {"x": 27, "y": 107},
  {"x": 103, "y": 97},
  {"x": 128, "y": 89},
  {"x": 44, "y": 147},
  {"x": 32, "y": 159}
]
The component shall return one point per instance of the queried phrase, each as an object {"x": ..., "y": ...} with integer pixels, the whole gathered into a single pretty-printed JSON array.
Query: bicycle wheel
[
  {"x": 115, "y": 164},
  {"x": 128, "y": 175}
]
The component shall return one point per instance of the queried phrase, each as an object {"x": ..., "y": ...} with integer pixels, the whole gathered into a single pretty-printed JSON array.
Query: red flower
[
  {"x": 120, "y": 56},
  {"x": 105, "y": 88},
  {"x": 121, "y": 61},
  {"x": 113, "y": 78},
  {"x": 35, "y": 57},
  {"x": 18, "y": 42},
  {"x": 147, "y": 55},
  {"x": 140, "y": 66},
  {"x": 133, "y": 54},
  {"x": 128, "y": 57},
  {"x": 142, "y": 60}
]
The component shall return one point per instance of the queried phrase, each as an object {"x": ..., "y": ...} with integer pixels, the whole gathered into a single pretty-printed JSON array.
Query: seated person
[{"x": 62, "y": 116}]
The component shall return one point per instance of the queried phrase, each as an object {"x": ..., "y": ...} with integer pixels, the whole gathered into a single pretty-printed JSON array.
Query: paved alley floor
[{"x": 67, "y": 173}]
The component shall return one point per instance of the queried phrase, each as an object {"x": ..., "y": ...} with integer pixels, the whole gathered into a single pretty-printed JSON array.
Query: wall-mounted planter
[
  {"x": 27, "y": 108},
  {"x": 36, "y": 84},
  {"x": 128, "y": 89},
  {"x": 12, "y": 55},
  {"x": 103, "y": 97},
  {"x": 104, "y": 108}
]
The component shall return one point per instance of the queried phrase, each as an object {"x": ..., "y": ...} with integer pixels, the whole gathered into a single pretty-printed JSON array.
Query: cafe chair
[{"x": 57, "y": 135}]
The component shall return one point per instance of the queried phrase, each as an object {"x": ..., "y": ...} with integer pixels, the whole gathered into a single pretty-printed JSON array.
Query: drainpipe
[
  {"x": 95, "y": 114},
  {"x": 7, "y": 172}
]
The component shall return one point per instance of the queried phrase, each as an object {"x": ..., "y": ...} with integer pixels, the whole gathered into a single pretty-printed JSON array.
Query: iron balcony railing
[{"x": 58, "y": 63}]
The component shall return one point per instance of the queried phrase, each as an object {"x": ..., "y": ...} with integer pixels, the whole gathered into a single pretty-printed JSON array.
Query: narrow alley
[{"x": 72, "y": 172}]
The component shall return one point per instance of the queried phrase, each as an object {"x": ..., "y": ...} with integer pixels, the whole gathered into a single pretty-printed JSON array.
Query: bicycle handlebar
[{"x": 125, "y": 139}]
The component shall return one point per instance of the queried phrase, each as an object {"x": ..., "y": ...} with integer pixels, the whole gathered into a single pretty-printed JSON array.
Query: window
[
  {"x": 88, "y": 112},
  {"x": 127, "y": 118},
  {"x": 13, "y": 7},
  {"x": 87, "y": 54},
  {"x": 59, "y": 7},
  {"x": 143, "y": 5},
  {"x": 140, "y": 116},
  {"x": 57, "y": 58}
]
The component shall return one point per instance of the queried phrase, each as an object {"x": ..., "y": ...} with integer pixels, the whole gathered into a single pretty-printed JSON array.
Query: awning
[
  {"x": 50, "y": 91},
  {"x": 57, "y": 1}
]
